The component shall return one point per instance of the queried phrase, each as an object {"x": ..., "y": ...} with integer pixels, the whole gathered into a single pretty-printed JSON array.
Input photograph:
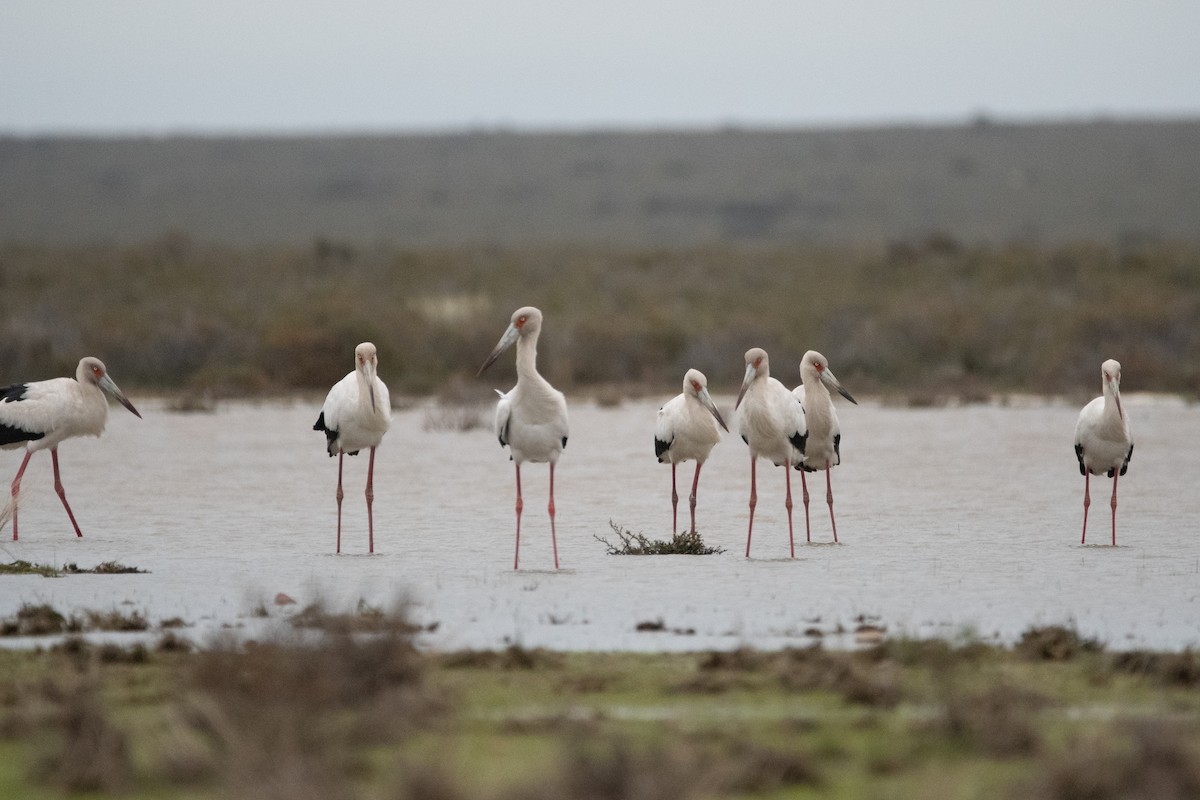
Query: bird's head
[
  {"x": 92, "y": 370},
  {"x": 366, "y": 361},
  {"x": 757, "y": 366}
]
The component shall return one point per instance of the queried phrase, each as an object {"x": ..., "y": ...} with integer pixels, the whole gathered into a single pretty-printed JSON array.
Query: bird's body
[
  {"x": 42, "y": 414},
  {"x": 771, "y": 422},
  {"x": 687, "y": 428},
  {"x": 356, "y": 414},
  {"x": 823, "y": 448},
  {"x": 1103, "y": 440},
  {"x": 531, "y": 418}
]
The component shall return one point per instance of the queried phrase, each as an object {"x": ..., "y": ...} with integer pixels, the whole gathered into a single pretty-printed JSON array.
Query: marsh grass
[{"x": 638, "y": 544}]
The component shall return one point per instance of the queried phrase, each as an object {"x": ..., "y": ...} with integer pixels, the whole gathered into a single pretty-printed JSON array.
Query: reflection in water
[{"x": 951, "y": 520}]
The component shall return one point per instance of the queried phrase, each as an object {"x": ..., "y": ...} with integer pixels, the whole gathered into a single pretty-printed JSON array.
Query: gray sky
[{"x": 155, "y": 66}]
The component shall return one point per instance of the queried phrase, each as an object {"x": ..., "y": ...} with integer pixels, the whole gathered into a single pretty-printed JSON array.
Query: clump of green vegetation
[
  {"x": 639, "y": 544},
  {"x": 28, "y": 568},
  {"x": 47, "y": 571}
]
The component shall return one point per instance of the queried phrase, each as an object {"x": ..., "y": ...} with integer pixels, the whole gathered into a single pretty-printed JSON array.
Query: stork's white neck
[{"x": 527, "y": 357}]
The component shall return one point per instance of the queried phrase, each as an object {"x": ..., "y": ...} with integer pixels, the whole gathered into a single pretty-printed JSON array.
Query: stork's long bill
[
  {"x": 707, "y": 400},
  {"x": 1114, "y": 383},
  {"x": 751, "y": 371},
  {"x": 835, "y": 384},
  {"x": 369, "y": 371},
  {"x": 510, "y": 335},
  {"x": 107, "y": 385}
]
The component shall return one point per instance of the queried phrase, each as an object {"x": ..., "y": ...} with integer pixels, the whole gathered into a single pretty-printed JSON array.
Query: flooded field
[{"x": 952, "y": 521}]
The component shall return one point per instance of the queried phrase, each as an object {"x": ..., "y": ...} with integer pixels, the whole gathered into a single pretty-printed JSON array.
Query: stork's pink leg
[
  {"x": 692, "y": 499},
  {"x": 787, "y": 474},
  {"x": 753, "y": 503},
  {"x": 1116, "y": 472},
  {"x": 62, "y": 493},
  {"x": 16, "y": 487},
  {"x": 829, "y": 499},
  {"x": 553, "y": 537},
  {"x": 370, "y": 499},
  {"x": 520, "y": 505},
  {"x": 807, "y": 527},
  {"x": 1087, "y": 501},
  {"x": 674, "y": 502},
  {"x": 341, "y": 455}
]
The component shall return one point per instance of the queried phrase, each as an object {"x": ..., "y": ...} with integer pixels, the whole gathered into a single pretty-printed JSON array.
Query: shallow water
[{"x": 952, "y": 521}]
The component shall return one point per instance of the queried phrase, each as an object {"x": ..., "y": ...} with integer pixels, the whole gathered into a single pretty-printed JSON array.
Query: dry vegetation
[{"x": 928, "y": 318}]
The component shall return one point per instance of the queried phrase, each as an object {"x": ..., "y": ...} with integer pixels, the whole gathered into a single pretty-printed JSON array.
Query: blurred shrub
[{"x": 930, "y": 316}]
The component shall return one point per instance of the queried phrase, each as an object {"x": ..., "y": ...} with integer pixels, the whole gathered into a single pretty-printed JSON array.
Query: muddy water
[{"x": 952, "y": 521}]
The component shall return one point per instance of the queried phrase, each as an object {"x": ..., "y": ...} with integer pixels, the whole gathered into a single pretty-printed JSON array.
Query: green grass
[
  {"x": 20, "y": 567},
  {"x": 370, "y": 717}
]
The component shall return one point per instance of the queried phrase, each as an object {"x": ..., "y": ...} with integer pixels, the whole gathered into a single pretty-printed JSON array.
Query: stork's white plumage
[
  {"x": 531, "y": 418},
  {"x": 686, "y": 430},
  {"x": 1103, "y": 441},
  {"x": 823, "y": 449},
  {"x": 771, "y": 421},
  {"x": 42, "y": 414},
  {"x": 356, "y": 415}
]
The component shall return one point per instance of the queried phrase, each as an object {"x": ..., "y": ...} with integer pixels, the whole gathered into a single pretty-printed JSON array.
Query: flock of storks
[{"x": 790, "y": 428}]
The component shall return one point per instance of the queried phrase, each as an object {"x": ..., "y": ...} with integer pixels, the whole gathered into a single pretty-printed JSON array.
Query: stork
[
  {"x": 824, "y": 433},
  {"x": 687, "y": 430},
  {"x": 41, "y": 414},
  {"x": 356, "y": 415},
  {"x": 531, "y": 418},
  {"x": 1103, "y": 441},
  {"x": 772, "y": 423}
]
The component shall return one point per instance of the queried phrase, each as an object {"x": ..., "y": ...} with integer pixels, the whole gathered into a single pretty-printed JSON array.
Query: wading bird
[
  {"x": 771, "y": 421},
  {"x": 823, "y": 450},
  {"x": 687, "y": 430},
  {"x": 531, "y": 419},
  {"x": 41, "y": 414},
  {"x": 356, "y": 414},
  {"x": 1103, "y": 442}
]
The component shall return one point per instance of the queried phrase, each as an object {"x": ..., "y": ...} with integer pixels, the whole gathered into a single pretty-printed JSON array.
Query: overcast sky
[{"x": 218, "y": 66}]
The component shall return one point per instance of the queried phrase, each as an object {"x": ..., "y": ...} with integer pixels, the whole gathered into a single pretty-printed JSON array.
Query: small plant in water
[{"x": 638, "y": 544}]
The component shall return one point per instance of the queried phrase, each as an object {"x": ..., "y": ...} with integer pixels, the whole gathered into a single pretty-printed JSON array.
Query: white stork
[
  {"x": 687, "y": 429},
  {"x": 823, "y": 450},
  {"x": 41, "y": 414},
  {"x": 1103, "y": 442},
  {"x": 531, "y": 419},
  {"x": 356, "y": 415},
  {"x": 772, "y": 423}
]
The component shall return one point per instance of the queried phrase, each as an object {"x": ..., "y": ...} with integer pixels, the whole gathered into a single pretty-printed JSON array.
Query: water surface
[{"x": 952, "y": 521}]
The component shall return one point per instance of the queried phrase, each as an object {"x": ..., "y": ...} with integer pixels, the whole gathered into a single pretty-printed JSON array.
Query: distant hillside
[{"x": 1107, "y": 181}]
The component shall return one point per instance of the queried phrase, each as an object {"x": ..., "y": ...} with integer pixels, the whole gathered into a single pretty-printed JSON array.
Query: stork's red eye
[{"x": 696, "y": 386}]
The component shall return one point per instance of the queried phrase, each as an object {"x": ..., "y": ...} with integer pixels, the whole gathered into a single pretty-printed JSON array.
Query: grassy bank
[
  {"x": 355, "y": 717},
  {"x": 917, "y": 318}
]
